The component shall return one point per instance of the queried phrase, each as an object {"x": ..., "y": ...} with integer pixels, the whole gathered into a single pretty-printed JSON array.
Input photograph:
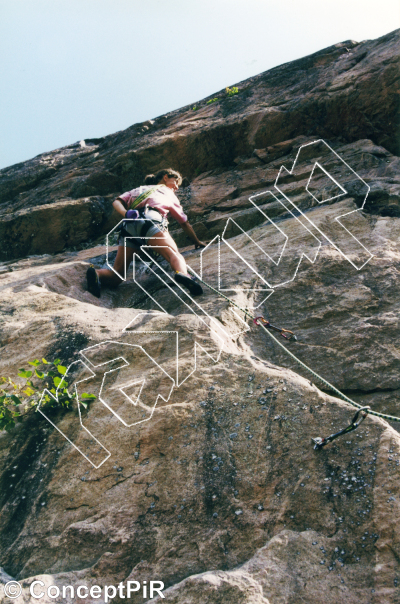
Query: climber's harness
[
  {"x": 268, "y": 328},
  {"x": 139, "y": 227},
  {"x": 148, "y": 217}
]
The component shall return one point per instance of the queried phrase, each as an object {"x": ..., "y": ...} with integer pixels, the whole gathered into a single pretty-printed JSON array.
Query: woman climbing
[{"x": 148, "y": 225}]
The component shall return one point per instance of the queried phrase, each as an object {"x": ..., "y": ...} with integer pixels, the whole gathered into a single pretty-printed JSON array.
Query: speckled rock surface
[{"x": 194, "y": 465}]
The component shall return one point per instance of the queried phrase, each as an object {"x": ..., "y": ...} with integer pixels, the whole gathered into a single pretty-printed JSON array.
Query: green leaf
[
  {"x": 28, "y": 391},
  {"x": 86, "y": 396},
  {"x": 16, "y": 400},
  {"x": 56, "y": 361},
  {"x": 45, "y": 362},
  {"x": 232, "y": 91},
  {"x": 35, "y": 363},
  {"x": 62, "y": 369},
  {"x": 40, "y": 374},
  {"x": 59, "y": 382},
  {"x": 24, "y": 374},
  {"x": 84, "y": 404}
]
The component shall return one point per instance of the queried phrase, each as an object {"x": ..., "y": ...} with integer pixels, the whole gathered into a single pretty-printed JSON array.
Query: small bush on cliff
[
  {"x": 212, "y": 100},
  {"x": 13, "y": 396},
  {"x": 232, "y": 91}
]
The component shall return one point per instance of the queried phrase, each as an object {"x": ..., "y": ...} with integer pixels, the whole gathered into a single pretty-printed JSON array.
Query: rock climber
[{"x": 147, "y": 224}]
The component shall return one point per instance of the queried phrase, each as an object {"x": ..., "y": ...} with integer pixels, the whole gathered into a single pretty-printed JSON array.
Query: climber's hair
[{"x": 154, "y": 179}]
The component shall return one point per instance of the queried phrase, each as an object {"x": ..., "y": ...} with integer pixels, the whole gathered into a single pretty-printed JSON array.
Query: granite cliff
[{"x": 210, "y": 482}]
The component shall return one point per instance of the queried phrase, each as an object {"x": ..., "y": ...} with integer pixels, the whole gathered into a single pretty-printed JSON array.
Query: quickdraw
[
  {"x": 281, "y": 330},
  {"x": 321, "y": 442},
  {"x": 285, "y": 333},
  {"x": 268, "y": 328}
]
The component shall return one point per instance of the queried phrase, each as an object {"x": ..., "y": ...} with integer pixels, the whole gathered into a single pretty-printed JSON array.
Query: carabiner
[
  {"x": 321, "y": 442},
  {"x": 280, "y": 330}
]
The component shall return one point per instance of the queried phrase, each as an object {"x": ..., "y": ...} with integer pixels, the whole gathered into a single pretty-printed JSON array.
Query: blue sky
[{"x": 74, "y": 69}]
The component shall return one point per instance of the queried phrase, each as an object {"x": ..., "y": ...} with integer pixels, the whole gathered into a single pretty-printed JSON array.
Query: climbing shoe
[
  {"x": 190, "y": 283},
  {"x": 93, "y": 281}
]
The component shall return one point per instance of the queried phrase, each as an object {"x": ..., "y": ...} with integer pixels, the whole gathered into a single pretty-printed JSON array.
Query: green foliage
[
  {"x": 212, "y": 100},
  {"x": 232, "y": 91},
  {"x": 194, "y": 108},
  {"x": 13, "y": 395}
]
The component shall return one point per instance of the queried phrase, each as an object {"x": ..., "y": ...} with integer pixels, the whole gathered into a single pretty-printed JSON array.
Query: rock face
[
  {"x": 346, "y": 92},
  {"x": 194, "y": 465}
]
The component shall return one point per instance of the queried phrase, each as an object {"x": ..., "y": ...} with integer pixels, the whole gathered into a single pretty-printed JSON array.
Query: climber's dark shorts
[{"x": 131, "y": 236}]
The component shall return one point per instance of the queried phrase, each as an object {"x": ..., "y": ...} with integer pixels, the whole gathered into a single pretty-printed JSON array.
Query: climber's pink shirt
[{"x": 163, "y": 199}]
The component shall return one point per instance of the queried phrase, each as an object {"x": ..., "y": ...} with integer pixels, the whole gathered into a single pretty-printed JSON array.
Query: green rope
[
  {"x": 390, "y": 418},
  {"x": 142, "y": 197}
]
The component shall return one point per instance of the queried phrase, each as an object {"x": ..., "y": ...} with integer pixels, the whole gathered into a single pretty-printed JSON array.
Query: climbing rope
[
  {"x": 266, "y": 326},
  {"x": 285, "y": 333}
]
